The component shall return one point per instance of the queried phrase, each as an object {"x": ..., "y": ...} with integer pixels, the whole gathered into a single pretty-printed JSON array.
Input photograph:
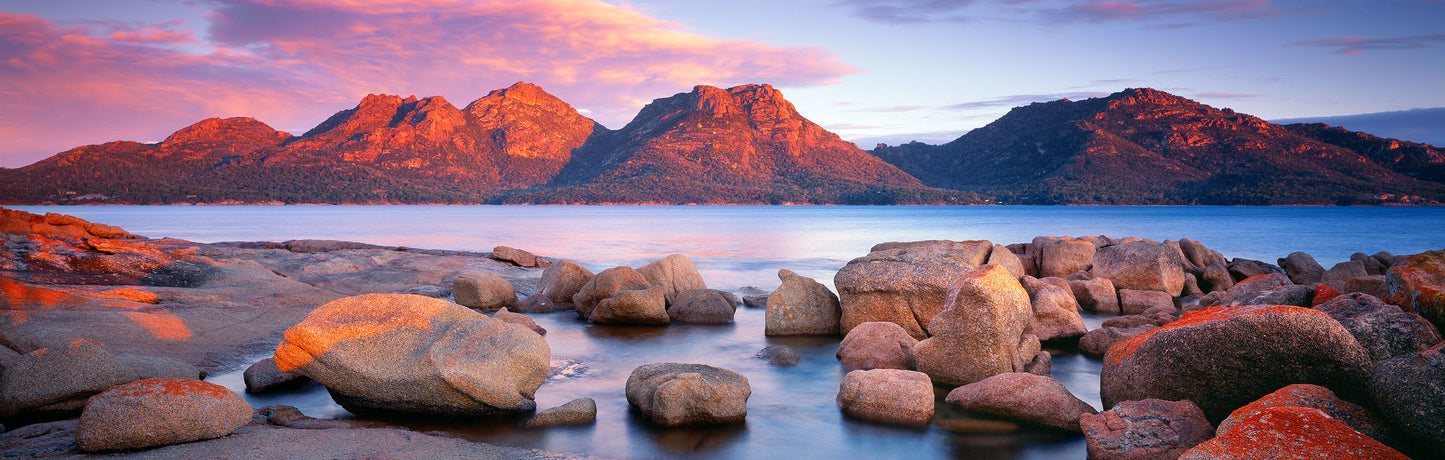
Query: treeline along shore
[{"x": 108, "y": 338}]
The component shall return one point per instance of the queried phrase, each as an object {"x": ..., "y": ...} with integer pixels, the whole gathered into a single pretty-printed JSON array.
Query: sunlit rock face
[
  {"x": 399, "y": 353},
  {"x": 1143, "y": 146}
]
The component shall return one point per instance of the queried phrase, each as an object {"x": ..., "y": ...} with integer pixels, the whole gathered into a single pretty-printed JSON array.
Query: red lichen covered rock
[
  {"x": 1314, "y": 397},
  {"x": 1417, "y": 284},
  {"x": 1225, "y": 357},
  {"x": 1149, "y": 429},
  {"x": 1291, "y": 433},
  {"x": 158, "y": 412}
]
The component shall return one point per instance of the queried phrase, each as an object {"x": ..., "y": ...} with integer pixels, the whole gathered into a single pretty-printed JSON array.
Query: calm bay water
[{"x": 792, "y": 412}]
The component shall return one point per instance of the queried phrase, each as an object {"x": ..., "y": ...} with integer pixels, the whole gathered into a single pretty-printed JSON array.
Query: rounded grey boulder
[{"x": 673, "y": 394}]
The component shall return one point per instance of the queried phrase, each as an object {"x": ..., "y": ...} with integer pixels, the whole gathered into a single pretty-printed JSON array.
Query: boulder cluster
[
  {"x": 1199, "y": 341},
  {"x": 1204, "y": 358}
]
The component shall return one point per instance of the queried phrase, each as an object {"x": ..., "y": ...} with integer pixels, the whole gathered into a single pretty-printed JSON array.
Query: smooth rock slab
[
  {"x": 1145, "y": 430},
  {"x": 158, "y": 412},
  {"x": 673, "y": 394},
  {"x": 1291, "y": 433},
  {"x": 581, "y": 411},
  {"x": 1025, "y": 397},
  {"x": 1141, "y": 265},
  {"x": 893, "y": 396}
]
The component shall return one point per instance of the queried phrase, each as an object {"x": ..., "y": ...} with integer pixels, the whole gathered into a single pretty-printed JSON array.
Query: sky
[{"x": 79, "y": 72}]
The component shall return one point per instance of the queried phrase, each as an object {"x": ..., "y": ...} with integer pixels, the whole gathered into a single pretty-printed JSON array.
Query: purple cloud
[
  {"x": 1358, "y": 45},
  {"x": 1172, "y": 13},
  {"x": 1022, "y": 99}
]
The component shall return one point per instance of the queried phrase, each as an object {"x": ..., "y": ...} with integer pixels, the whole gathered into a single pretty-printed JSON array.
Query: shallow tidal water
[{"x": 792, "y": 412}]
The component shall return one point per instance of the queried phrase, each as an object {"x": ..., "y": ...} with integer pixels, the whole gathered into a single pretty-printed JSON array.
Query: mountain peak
[
  {"x": 523, "y": 93},
  {"x": 218, "y": 130}
]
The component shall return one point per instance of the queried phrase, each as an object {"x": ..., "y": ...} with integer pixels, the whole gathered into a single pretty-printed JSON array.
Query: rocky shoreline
[{"x": 1238, "y": 355}]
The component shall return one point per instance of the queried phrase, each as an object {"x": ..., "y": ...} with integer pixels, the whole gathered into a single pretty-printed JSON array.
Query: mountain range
[{"x": 745, "y": 144}]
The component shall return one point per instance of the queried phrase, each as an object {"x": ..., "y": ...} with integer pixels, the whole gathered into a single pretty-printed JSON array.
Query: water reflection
[{"x": 792, "y": 411}]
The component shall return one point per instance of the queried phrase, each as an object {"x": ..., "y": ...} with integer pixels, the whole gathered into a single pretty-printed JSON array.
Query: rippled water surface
[{"x": 792, "y": 413}]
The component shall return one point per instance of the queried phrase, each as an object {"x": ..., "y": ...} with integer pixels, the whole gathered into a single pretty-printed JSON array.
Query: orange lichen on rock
[
  {"x": 1323, "y": 293},
  {"x": 1122, "y": 350},
  {"x": 169, "y": 387},
  {"x": 1292, "y": 433}
]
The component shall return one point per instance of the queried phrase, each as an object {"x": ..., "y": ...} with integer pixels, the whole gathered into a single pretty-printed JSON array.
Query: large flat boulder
[
  {"x": 55, "y": 382},
  {"x": 702, "y": 306},
  {"x": 904, "y": 283},
  {"x": 411, "y": 354},
  {"x": 1222, "y": 358},
  {"x": 483, "y": 291}
]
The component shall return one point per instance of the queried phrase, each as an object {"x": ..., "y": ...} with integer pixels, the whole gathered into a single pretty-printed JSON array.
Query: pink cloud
[
  {"x": 64, "y": 88},
  {"x": 606, "y": 58},
  {"x": 292, "y": 63},
  {"x": 1177, "y": 13}
]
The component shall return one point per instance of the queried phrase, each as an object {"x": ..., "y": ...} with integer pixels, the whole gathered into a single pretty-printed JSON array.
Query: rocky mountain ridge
[
  {"x": 1143, "y": 146},
  {"x": 745, "y": 144}
]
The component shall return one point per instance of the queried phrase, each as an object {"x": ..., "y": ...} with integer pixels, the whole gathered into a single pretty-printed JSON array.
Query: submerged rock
[
  {"x": 581, "y": 411},
  {"x": 702, "y": 306},
  {"x": 779, "y": 355},
  {"x": 672, "y": 394},
  {"x": 265, "y": 377}
]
